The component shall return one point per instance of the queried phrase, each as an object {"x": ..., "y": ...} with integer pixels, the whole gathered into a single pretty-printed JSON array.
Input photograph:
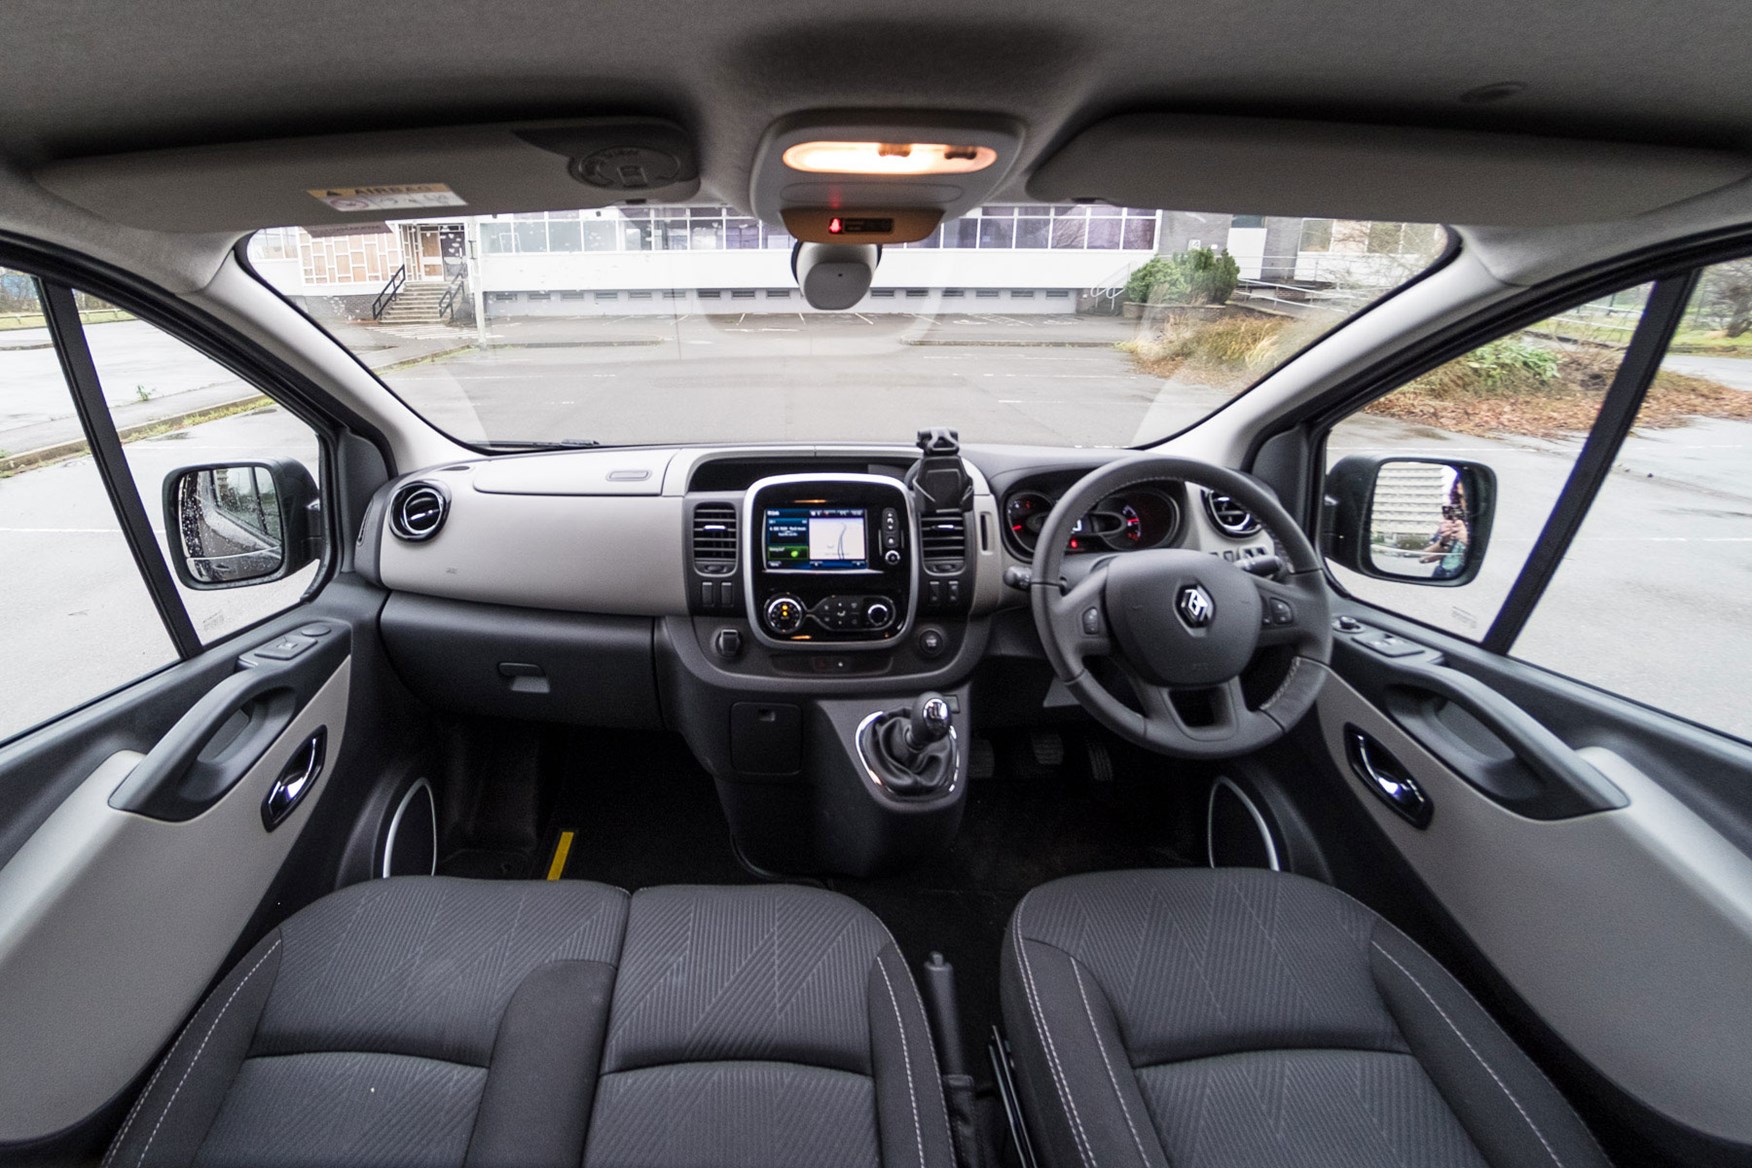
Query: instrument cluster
[{"x": 1134, "y": 519}]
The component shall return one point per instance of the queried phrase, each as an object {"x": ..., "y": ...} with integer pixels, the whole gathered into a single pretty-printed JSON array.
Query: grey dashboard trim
[
  {"x": 112, "y": 924},
  {"x": 608, "y": 554},
  {"x": 1629, "y": 931}
]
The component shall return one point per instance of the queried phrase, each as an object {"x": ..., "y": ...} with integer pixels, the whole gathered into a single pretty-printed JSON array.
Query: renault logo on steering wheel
[{"x": 1196, "y": 607}]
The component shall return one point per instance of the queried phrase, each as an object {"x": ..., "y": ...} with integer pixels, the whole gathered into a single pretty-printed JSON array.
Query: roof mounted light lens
[{"x": 888, "y": 158}]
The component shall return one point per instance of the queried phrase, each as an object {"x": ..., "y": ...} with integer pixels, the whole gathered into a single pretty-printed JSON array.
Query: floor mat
[{"x": 642, "y": 812}]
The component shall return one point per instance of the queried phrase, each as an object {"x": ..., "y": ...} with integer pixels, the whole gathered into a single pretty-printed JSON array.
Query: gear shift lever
[
  {"x": 911, "y": 751},
  {"x": 929, "y": 721}
]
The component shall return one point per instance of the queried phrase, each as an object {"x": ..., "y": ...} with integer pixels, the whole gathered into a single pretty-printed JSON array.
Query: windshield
[{"x": 1068, "y": 325}]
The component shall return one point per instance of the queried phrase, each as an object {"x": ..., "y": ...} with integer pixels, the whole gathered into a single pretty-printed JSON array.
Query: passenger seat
[{"x": 430, "y": 1022}]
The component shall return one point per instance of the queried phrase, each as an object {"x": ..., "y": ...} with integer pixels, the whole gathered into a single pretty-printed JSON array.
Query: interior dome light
[{"x": 896, "y": 158}]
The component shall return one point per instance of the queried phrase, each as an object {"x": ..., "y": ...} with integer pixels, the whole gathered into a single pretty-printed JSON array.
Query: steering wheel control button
[
  {"x": 1091, "y": 621},
  {"x": 784, "y": 614},
  {"x": 932, "y": 642},
  {"x": 1197, "y": 609},
  {"x": 1278, "y": 612}
]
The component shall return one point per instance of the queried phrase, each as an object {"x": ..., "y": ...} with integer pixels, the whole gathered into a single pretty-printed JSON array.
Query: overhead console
[{"x": 830, "y": 560}]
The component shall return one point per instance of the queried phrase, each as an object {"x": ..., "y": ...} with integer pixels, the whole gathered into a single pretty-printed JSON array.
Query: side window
[
  {"x": 79, "y": 620},
  {"x": 1653, "y": 598},
  {"x": 1522, "y": 405},
  {"x": 174, "y": 407}
]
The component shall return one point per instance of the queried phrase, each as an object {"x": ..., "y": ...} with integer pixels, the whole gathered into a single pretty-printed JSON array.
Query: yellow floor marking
[{"x": 561, "y": 851}]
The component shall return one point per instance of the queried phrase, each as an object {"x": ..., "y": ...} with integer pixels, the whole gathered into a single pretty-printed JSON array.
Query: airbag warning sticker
[{"x": 395, "y": 197}]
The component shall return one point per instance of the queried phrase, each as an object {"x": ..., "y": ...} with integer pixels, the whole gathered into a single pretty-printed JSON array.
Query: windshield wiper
[{"x": 539, "y": 444}]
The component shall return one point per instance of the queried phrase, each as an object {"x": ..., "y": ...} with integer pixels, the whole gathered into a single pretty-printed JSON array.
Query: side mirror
[
  {"x": 1418, "y": 520},
  {"x": 240, "y": 523}
]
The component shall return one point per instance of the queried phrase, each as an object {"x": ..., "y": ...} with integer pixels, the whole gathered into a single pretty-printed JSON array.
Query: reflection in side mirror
[
  {"x": 236, "y": 524},
  {"x": 1420, "y": 520}
]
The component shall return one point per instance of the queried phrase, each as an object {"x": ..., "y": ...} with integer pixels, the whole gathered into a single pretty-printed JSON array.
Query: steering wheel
[{"x": 1183, "y": 622}]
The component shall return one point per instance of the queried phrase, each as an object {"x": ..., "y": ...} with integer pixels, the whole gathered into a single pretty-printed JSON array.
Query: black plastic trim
[
  {"x": 61, "y": 313},
  {"x": 1624, "y": 397}
]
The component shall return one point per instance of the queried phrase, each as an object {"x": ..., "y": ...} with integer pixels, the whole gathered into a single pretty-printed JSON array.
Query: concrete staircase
[{"x": 416, "y": 303}]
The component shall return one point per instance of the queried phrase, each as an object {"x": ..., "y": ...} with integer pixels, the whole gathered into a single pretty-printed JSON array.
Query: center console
[{"x": 830, "y": 560}]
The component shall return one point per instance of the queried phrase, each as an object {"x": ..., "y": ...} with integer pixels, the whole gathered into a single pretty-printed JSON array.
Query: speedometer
[{"x": 1025, "y": 512}]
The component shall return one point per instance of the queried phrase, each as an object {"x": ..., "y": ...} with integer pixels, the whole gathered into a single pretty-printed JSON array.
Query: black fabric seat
[
  {"x": 1232, "y": 1018},
  {"x": 427, "y": 1022}
]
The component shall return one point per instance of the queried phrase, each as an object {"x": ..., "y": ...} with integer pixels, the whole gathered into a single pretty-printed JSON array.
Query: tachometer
[{"x": 1147, "y": 518}]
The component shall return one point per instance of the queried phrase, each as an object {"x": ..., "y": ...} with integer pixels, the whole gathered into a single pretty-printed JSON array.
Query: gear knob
[{"x": 929, "y": 721}]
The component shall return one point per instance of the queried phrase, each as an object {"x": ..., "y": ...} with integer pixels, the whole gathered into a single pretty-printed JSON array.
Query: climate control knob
[
  {"x": 784, "y": 614},
  {"x": 878, "y": 613}
]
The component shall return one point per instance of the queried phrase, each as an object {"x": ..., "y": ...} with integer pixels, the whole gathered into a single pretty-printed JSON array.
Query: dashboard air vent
[
  {"x": 1231, "y": 518},
  {"x": 714, "y": 539},
  {"x": 418, "y": 510},
  {"x": 943, "y": 541}
]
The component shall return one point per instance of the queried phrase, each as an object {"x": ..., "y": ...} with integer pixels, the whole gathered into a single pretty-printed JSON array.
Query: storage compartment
[
  {"x": 524, "y": 663},
  {"x": 766, "y": 738}
]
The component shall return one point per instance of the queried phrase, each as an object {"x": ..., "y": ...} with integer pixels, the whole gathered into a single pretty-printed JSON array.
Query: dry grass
[
  {"x": 1452, "y": 398},
  {"x": 1232, "y": 350},
  {"x": 1525, "y": 385}
]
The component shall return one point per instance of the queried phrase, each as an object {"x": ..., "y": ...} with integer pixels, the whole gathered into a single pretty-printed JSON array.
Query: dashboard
[{"x": 770, "y": 563}]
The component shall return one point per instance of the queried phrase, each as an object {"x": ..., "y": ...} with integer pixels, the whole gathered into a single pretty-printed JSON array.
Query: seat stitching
[
  {"x": 1468, "y": 1044},
  {"x": 1101, "y": 1045},
  {"x": 905, "y": 1059},
  {"x": 218, "y": 1018},
  {"x": 930, "y": 1049},
  {"x": 140, "y": 1104},
  {"x": 1060, "y": 1085}
]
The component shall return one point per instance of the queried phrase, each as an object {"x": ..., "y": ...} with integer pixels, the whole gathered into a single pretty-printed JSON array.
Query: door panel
[
  {"x": 1628, "y": 929},
  {"x": 112, "y": 922}
]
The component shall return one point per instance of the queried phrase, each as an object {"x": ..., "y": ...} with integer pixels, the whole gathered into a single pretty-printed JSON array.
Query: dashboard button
[
  {"x": 932, "y": 642},
  {"x": 878, "y": 614},
  {"x": 784, "y": 614},
  {"x": 891, "y": 557}
]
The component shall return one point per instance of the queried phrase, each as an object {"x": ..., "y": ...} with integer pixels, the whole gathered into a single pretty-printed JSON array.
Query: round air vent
[
  {"x": 1231, "y": 518},
  {"x": 418, "y": 510}
]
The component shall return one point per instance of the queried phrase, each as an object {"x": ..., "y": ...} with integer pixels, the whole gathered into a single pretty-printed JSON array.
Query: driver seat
[{"x": 1234, "y": 1018}]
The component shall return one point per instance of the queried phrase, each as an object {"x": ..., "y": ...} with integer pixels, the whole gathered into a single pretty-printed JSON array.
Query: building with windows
[{"x": 1013, "y": 258}]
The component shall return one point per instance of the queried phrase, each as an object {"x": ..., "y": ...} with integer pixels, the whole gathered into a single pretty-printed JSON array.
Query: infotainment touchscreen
[{"x": 816, "y": 539}]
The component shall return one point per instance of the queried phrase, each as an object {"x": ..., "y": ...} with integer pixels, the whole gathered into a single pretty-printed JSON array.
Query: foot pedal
[
  {"x": 982, "y": 762},
  {"x": 1048, "y": 748},
  {"x": 1100, "y": 760}
]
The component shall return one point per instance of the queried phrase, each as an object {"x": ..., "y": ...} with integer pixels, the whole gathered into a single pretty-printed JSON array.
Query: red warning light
[{"x": 835, "y": 226}]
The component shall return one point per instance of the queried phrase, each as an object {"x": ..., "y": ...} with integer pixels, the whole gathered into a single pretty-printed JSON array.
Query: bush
[
  {"x": 1201, "y": 276},
  {"x": 1511, "y": 366}
]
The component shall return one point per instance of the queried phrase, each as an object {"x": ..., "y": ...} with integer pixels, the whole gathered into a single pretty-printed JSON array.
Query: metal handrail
[
  {"x": 387, "y": 297},
  {"x": 447, "y": 302}
]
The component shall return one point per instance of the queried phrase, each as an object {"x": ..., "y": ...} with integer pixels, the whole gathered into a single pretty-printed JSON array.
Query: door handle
[
  {"x": 1387, "y": 778},
  {"x": 301, "y": 773}
]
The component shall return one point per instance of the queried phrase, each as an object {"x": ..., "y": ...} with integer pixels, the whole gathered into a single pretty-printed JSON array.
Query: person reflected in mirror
[{"x": 1447, "y": 547}]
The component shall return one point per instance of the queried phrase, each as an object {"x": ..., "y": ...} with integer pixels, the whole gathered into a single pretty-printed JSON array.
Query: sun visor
[
  {"x": 363, "y": 179},
  {"x": 1317, "y": 169}
]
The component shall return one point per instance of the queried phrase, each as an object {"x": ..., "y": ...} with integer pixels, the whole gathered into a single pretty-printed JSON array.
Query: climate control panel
[{"x": 787, "y": 615}]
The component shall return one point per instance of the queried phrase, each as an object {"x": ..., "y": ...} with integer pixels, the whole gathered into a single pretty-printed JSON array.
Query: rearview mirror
[
  {"x": 1419, "y": 520},
  {"x": 240, "y": 523}
]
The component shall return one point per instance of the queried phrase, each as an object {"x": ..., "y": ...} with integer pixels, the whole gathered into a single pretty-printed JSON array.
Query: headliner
[{"x": 102, "y": 76}]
